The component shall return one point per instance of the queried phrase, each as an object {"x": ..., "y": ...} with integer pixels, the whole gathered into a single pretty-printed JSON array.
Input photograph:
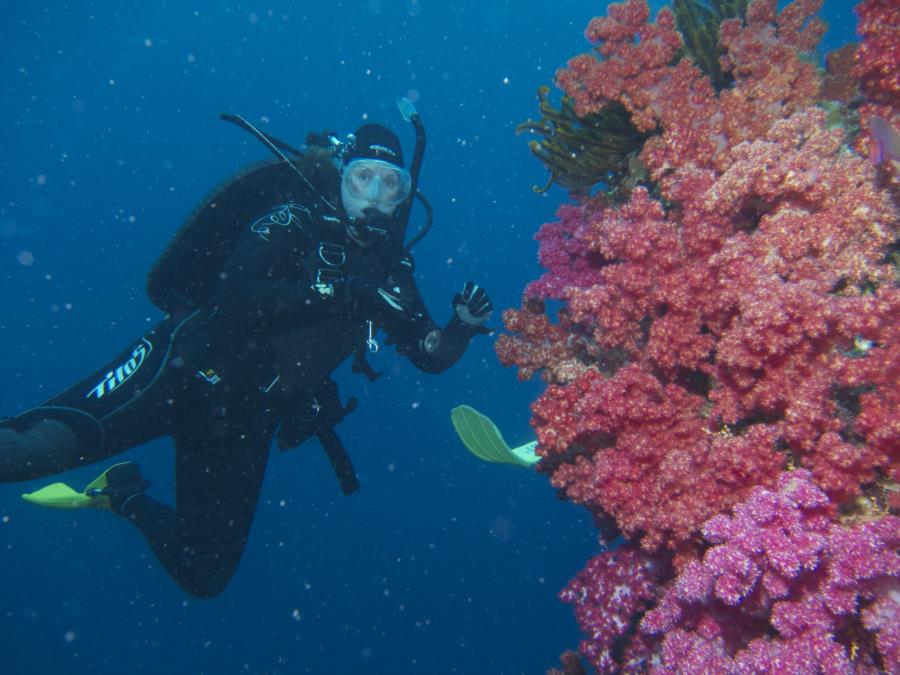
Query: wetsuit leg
[
  {"x": 219, "y": 474},
  {"x": 45, "y": 448},
  {"x": 127, "y": 402}
]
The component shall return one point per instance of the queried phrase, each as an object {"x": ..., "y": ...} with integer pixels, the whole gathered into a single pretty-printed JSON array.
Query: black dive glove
[{"x": 473, "y": 307}]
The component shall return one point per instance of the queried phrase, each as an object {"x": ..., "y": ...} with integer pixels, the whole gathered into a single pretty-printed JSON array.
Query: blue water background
[{"x": 109, "y": 137}]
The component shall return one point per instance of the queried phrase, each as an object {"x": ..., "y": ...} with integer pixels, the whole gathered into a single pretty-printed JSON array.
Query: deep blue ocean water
[{"x": 109, "y": 137}]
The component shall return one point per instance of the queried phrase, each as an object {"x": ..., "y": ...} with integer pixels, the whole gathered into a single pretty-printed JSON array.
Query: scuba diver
[{"x": 279, "y": 276}]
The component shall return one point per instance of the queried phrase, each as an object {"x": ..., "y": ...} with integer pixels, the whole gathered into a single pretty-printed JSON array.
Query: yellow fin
[{"x": 61, "y": 496}]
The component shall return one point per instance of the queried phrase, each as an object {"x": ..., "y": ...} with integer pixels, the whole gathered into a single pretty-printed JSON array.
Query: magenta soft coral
[{"x": 781, "y": 558}]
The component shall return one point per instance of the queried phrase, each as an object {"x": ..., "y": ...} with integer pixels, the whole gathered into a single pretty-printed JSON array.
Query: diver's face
[{"x": 373, "y": 183}]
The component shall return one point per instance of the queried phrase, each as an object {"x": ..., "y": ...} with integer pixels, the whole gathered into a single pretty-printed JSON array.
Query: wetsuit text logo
[{"x": 116, "y": 378}]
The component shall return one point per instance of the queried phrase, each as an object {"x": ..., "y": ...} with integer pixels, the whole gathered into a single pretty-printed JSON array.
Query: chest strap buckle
[{"x": 326, "y": 275}]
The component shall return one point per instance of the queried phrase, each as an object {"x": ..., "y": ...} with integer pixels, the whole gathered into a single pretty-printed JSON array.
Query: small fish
[{"x": 887, "y": 142}]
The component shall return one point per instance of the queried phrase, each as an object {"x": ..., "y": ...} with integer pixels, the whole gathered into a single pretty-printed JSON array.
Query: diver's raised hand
[{"x": 473, "y": 306}]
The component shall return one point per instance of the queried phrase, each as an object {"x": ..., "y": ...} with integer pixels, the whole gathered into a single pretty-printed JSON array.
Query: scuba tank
[{"x": 186, "y": 273}]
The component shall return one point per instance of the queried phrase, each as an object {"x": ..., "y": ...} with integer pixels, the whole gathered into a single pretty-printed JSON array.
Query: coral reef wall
[{"x": 723, "y": 368}]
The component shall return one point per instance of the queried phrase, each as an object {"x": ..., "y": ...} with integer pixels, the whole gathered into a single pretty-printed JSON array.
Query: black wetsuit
[{"x": 297, "y": 297}]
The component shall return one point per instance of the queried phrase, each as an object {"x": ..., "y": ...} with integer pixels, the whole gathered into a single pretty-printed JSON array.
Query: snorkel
[{"x": 408, "y": 110}]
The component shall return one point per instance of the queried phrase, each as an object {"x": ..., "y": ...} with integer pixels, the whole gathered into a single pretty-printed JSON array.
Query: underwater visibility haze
[{"x": 667, "y": 258}]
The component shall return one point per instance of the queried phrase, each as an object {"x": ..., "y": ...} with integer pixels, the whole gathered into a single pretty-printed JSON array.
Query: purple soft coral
[{"x": 779, "y": 560}]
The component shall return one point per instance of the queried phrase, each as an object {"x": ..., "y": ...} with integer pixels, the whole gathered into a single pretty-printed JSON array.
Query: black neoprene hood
[{"x": 374, "y": 141}]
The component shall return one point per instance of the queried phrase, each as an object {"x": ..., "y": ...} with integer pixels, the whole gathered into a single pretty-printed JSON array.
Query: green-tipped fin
[{"x": 483, "y": 439}]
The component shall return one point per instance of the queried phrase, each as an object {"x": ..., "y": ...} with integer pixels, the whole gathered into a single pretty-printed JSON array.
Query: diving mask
[{"x": 376, "y": 183}]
